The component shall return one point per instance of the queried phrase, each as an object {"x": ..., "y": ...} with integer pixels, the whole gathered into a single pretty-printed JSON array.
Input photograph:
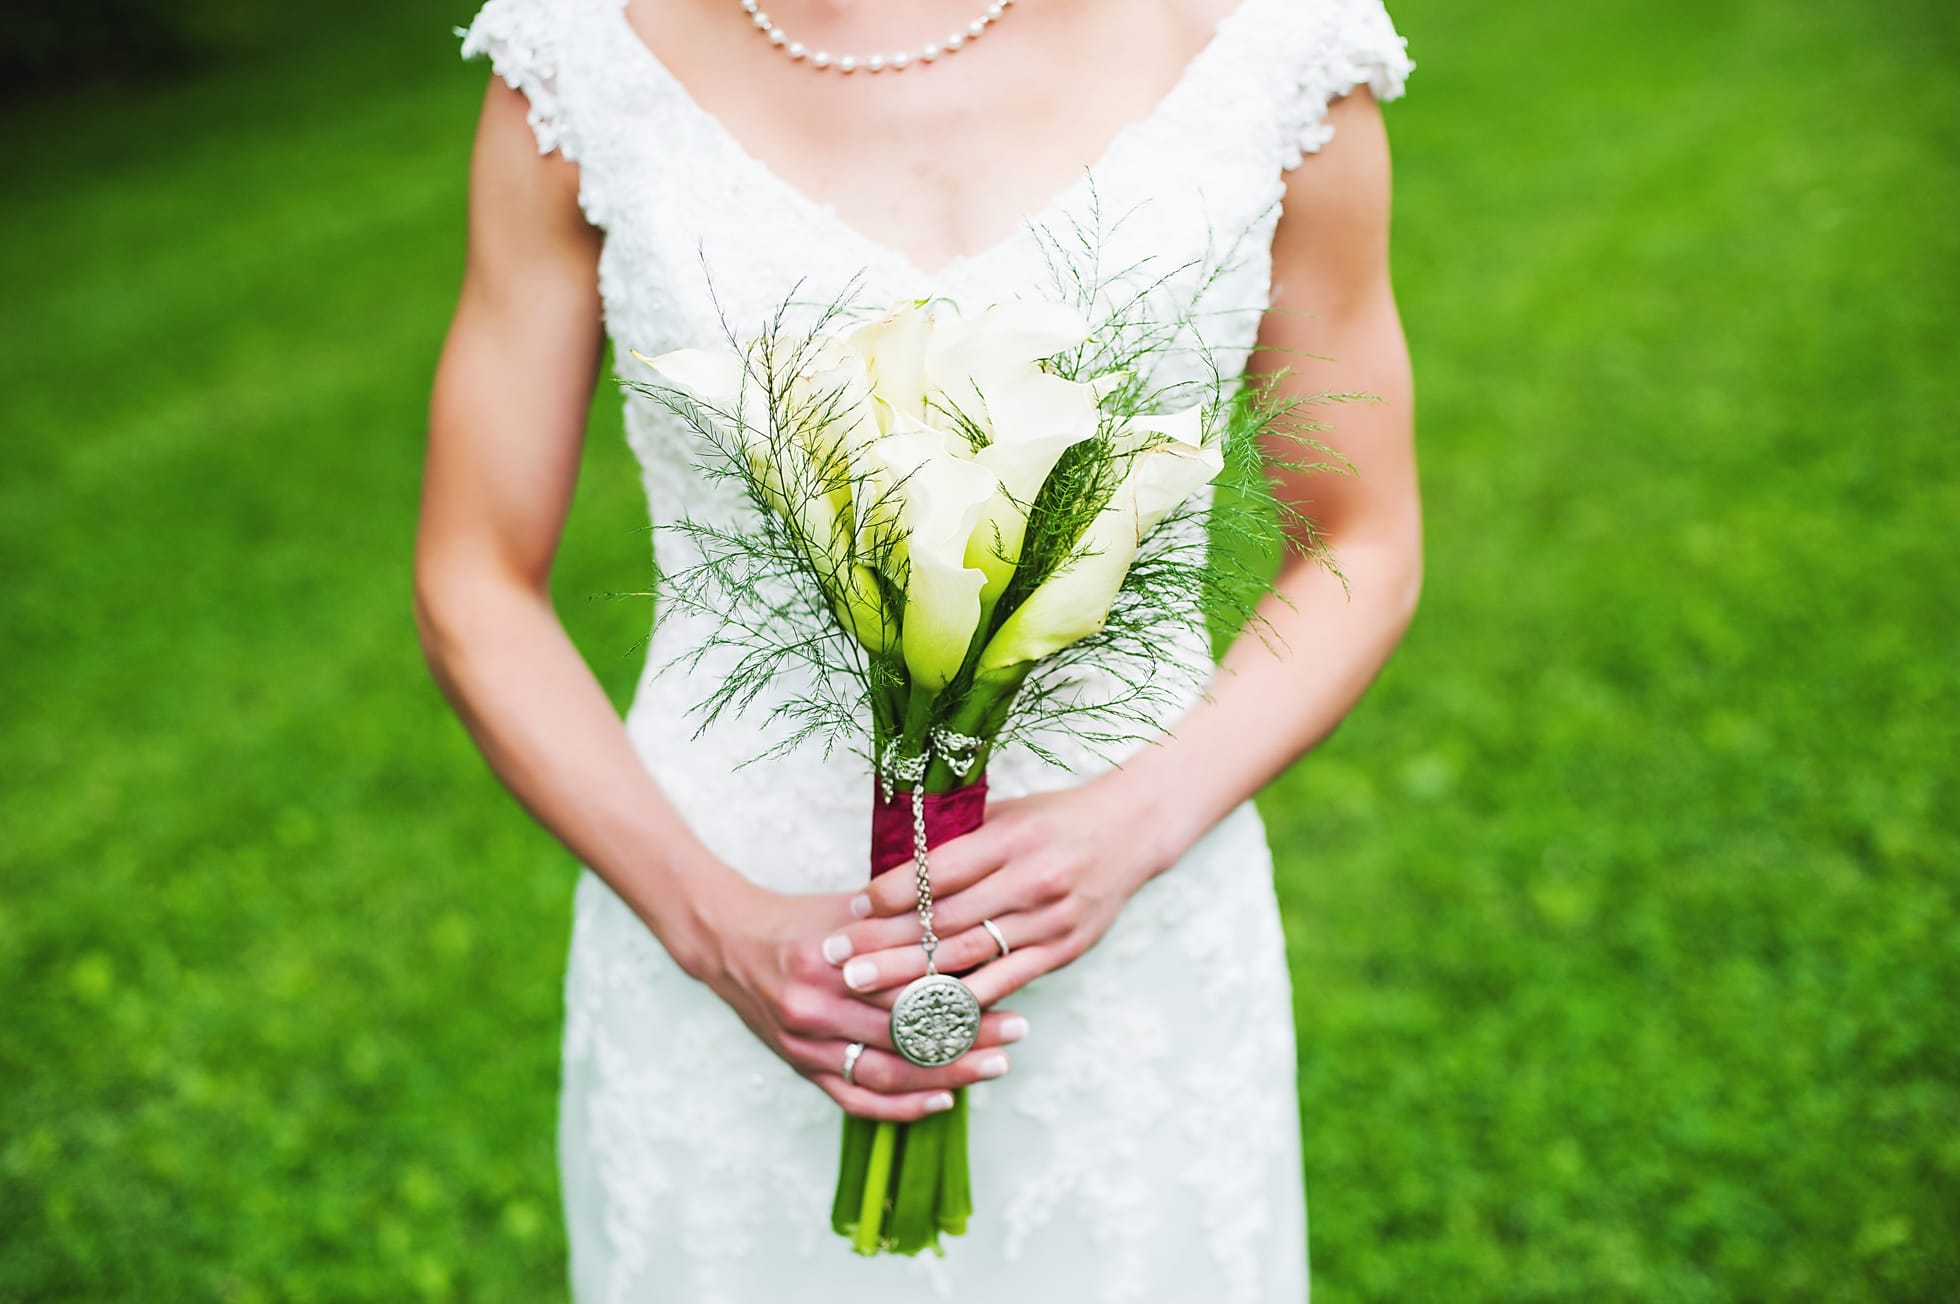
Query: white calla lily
[
  {"x": 985, "y": 374},
  {"x": 725, "y": 385},
  {"x": 803, "y": 472},
  {"x": 712, "y": 376},
  {"x": 894, "y": 351},
  {"x": 935, "y": 497},
  {"x": 824, "y": 392},
  {"x": 1165, "y": 476},
  {"x": 1186, "y": 427},
  {"x": 1073, "y": 603},
  {"x": 831, "y": 403},
  {"x": 1036, "y": 407},
  {"x": 823, "y": 529},
  {"x": 1033, "y": 422},
  {"x": 998, "y": 346},
  {"x": 880, "y": 468}
]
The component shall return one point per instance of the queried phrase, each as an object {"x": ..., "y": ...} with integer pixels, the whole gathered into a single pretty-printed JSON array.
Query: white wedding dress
[{"x": 1146, "y": 1144}]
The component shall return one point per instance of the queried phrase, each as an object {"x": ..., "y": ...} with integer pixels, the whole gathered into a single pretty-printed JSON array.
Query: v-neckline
[{"x": 826, "y": 211}]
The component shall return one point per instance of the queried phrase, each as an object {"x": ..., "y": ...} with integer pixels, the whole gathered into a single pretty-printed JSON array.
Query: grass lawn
[{"x": 1623, "y": 912}]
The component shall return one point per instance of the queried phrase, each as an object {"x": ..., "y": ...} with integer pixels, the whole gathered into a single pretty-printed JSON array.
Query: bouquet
[{"x": 948, "y": 511}]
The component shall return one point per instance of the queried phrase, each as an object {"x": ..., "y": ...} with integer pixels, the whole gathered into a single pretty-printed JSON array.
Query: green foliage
[
  {"x": 1623, "y": 910},
  {"x": 770, "y": 590}
]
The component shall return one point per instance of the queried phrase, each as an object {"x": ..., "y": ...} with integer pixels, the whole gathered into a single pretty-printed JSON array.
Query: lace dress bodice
[{"x": 693, "y": 1160}]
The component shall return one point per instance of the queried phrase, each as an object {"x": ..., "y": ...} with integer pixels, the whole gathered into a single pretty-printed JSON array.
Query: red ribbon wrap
[{"x": 948, "y": 814}]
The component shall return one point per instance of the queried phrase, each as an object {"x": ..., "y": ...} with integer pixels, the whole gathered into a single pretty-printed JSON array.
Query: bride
[{"x": 646, "y": 170}]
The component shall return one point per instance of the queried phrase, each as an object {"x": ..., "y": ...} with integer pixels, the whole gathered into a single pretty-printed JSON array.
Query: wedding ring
[
  {"x": 993, "y": 931},
  {"x": 851, "y": 1053}
]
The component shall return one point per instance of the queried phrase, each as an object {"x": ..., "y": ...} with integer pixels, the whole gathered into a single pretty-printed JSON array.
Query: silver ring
[
  {"x": 851, "y": 1053},
  {"x": 993, "y": 931}
]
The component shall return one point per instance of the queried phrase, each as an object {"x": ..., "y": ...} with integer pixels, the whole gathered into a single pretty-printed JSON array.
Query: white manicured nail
[
  {"x": 1013, "y": 1028},
  {"x": 860, "y": 974},
  {"x": 991, "y": 1066},
  {"x": 939, "y": 1102},
  {"x": 861, "y": 905},
  {"x": 837, "y": 948}
]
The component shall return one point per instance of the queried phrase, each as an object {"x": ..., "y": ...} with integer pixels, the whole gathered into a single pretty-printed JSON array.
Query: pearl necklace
[{"x": 822, "y": 60}]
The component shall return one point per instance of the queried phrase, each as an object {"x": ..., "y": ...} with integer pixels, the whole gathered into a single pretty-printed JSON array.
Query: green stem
[
  {"x": 955, "y": 1187},
  {"x": 877, "y": 1181},
  {"x": 888, "y": 704},
  {"x": 914, "y": 1221},
  {"x": 981, "y": 712},
  {"x": 851, "y": 1164},
  {"x": 918, "y": 719}
]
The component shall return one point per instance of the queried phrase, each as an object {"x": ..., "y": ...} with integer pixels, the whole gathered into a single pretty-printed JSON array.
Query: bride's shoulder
[
  {"x": 529, "y": 44},
  {"x": 1323, "y": 51}
]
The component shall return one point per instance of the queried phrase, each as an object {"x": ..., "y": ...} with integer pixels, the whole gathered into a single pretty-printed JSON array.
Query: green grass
[{"x": 1623, "y": 911}]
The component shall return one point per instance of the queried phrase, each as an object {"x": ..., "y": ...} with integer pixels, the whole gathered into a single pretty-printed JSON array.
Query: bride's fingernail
[
  {"x": 939, "y": 1102},
  {"x": 991, "y": 1066},
  {"x": 837, "y": 948},
  {"x": 861, "y": 905},
  {"x": 860, "y": 974},
  {"x": 1013, "y": 1028}
]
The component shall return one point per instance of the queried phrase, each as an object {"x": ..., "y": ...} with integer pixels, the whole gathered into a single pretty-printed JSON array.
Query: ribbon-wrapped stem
[{"x": 901, "y": 1185}]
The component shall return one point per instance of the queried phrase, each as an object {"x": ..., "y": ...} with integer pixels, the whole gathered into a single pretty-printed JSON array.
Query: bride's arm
[
  {"x": 507, "y": 420},
  {"x": 506, "y": 424},
  {"x": 1052, "y": 871},
  {"x": 1335, "y": 329}
]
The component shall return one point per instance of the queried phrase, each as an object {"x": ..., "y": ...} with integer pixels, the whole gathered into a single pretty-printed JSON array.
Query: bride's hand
[
  {"x": 1050, "y": 871},
  {"x": 768, "y": 965}
]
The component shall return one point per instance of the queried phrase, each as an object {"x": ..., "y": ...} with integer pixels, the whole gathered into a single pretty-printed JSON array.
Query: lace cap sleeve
[
  {"x": 523, "y": 39},
  {"x": 1346, "y": 44}
]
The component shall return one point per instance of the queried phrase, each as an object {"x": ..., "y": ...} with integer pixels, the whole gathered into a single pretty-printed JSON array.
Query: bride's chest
[
  {"x": 946, "y": 160},
  {"x": 702, "y": 235}
]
